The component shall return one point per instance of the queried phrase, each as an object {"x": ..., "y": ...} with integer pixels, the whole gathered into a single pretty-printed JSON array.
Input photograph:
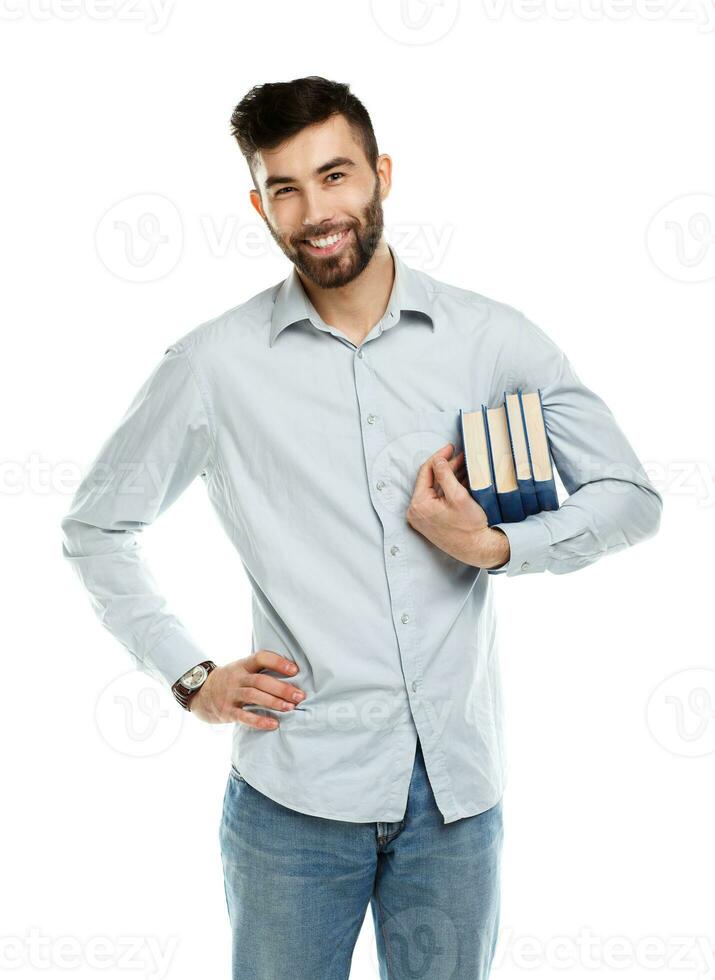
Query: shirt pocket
[
  {"x": 436, "y": 583},
  {"x": 440, "y": 426},
  {"x": 411, "y": 437}
]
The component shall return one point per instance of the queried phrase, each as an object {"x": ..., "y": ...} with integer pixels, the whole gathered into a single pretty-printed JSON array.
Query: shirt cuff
[
  {"x": 529, "y": 544},
  {"x": 172, "y": 657}
]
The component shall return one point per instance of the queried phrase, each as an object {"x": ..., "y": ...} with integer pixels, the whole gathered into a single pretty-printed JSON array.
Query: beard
[{"x": 332, "y": 271}]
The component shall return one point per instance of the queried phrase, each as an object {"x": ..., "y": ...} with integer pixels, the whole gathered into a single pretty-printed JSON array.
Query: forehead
[{"x": 308, "y": 149}]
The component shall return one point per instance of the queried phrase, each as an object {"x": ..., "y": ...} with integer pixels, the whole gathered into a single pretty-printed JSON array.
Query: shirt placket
[
  {"x": 395, "y": 541},
  {"x": 395, "y": 528},
  {"x": 396, "y": 553}
]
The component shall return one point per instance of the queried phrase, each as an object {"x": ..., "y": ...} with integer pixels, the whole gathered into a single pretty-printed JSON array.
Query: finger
[
  {"x": 253, "y": 721},
  {"x": 446, "y": 479},
  {"x": 459, "y": 466},
  {"x": 254, "y": 695},
  {"x": 267, "y": 659},
  {"x": 455, "y": 462},
  {"x": 279, "y": 689},
  {"x": 425, "y": 474}
]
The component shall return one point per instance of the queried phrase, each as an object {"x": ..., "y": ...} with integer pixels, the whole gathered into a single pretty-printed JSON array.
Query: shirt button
[
  {"x": 359, "y": 353},
  {"x": 405, "y": 618},
  {"x": 394, "y": 549},
  {"x": 380, "y": 484},
  {"x": 415, "y": 685},
  {"x": 371, "y": 419},
  {"x": 524, "y": 565}
]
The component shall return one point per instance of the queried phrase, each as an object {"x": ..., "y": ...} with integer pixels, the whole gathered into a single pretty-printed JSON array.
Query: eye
[{"x": 335, "y": 173}]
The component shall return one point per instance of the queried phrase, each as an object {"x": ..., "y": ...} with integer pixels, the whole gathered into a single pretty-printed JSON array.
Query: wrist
[
  {"x": 496, "y": 548},
  {"x": 189, "y": 684}
]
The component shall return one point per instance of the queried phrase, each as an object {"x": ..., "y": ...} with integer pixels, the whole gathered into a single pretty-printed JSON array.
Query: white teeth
[{"x": 324, "y": 242}]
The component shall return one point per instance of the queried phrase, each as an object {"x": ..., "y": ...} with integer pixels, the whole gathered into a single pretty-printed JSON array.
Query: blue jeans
[{"x": 297, "y": 888}]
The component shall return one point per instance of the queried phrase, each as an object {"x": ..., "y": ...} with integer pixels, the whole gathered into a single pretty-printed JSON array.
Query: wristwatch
[{"x": 190, "y": 682}]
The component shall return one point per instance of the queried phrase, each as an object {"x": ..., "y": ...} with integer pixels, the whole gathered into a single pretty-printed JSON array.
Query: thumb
[{"x": 444, "y": 474}]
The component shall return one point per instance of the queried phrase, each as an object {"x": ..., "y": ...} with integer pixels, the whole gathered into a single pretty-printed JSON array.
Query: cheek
[{"x": 284, "y": 217}]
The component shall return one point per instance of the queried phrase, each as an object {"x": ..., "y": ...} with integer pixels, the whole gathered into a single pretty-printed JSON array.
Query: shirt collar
[{"x": 409, "y": 292}]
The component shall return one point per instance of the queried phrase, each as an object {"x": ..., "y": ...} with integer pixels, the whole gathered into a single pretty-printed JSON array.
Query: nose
[{"x": 317, "y": 213}]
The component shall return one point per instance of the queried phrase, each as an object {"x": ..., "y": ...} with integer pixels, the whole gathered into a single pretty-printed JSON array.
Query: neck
[{"x": 356, "y": 307}]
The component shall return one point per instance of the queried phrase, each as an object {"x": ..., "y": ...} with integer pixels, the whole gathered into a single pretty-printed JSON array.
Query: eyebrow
[{"x": 330, "y": 165}]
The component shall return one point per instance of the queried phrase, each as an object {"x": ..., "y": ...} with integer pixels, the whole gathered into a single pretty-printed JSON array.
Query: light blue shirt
[{"x": 309, "y": 447}]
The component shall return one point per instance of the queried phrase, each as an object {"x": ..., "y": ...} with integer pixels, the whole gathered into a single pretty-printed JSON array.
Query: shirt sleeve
[
  {"x": 163, "y": 441},
  {"x": 611, "y": 504}
]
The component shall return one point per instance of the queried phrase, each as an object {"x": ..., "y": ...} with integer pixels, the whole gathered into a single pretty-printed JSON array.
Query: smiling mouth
[{"x": 328, "y": 243}]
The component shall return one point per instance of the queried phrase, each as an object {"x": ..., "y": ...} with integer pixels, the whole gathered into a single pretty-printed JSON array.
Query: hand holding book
[
  {"x": 442, "y": 510},
  {"x": 610, "y": 502}
]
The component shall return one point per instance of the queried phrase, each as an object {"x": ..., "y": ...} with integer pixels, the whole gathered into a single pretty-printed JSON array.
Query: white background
[{"x": 534, "y": 149}]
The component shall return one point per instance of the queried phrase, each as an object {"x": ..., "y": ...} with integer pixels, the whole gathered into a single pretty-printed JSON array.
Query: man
[{"x": 323, "y": 416}]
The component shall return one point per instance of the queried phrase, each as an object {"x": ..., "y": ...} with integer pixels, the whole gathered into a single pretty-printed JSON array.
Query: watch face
[{"x": 194, "y": 678}]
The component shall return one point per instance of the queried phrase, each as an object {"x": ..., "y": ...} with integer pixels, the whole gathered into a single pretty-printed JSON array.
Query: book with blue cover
[
  {"x": 508, "y": 458},
  {"x": 502, "y": 465},
  {"x": 542, "y": 472},
  {"x": 478, "y": 464},
  {"x": 520, "y": 453}
]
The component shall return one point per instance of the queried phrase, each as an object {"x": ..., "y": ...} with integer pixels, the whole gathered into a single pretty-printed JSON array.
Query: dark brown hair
[{"x": 273, "y": 112}]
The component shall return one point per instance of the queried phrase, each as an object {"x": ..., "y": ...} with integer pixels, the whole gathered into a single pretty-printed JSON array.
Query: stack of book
[{"x": 508, "y": 458}]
